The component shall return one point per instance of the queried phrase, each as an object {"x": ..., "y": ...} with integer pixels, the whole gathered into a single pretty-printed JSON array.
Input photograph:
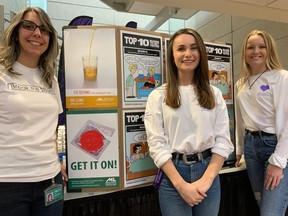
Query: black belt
[
  {"x": 192, "y": 158},
  {"x": 258, "y": 133}
]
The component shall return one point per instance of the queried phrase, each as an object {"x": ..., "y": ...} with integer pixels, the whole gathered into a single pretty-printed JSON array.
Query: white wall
[
  {"x": 231, "y": 29},
  {"x": 212, "y": 26}
]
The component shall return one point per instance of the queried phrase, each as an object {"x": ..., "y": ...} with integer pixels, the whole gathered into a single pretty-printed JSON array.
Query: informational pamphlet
[
  {"x": 141, "y": 67},
  {"x": 138, "y": 165}
]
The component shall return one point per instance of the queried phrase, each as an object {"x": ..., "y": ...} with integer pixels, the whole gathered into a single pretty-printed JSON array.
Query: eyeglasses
[{"x": 31, "y": 26}]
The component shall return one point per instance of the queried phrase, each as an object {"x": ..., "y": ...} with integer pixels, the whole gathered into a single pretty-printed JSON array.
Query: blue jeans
[
  {"x": 257, "y": 151},
  {"x": 172, "y": 204},
  {"x": 27, "y": 199}
]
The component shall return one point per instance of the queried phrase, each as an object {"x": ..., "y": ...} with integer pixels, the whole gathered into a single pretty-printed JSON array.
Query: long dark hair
[{"x": 200, "y": 78}]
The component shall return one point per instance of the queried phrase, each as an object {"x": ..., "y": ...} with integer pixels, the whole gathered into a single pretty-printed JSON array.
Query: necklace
[{"x": 250, "y": 85}]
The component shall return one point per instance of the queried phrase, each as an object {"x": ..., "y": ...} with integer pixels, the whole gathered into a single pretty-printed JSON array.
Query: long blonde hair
[
  {"x": 10, "y": 50},
  {"x": 272, "y": 60},
  {"x": 200, "y": 79}
]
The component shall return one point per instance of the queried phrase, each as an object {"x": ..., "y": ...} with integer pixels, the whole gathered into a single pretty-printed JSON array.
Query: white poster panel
[
  {"x": 141, "y": 59},
  {"x": 93, "y": 149},
  {"x": 220, "y": 68},
  {"x": 90, "y": 67},
  {"x": 139, "y": 167}
]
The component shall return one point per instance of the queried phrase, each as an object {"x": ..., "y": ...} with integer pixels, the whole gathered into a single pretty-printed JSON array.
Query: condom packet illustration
[{"x": 92, "y": 138}]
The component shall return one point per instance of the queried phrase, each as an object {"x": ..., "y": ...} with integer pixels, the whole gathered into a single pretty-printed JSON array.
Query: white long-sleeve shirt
[
  {"x": 187, "y": 129},
  {"x": 264, "y": 107}
]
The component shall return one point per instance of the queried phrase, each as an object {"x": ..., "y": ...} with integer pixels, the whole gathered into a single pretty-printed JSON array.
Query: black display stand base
[{"x": 237, "y": 200}]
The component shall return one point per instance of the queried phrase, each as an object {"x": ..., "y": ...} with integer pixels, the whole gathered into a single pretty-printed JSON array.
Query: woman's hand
[
  {"x": 274, "y": 174},
  {"x": 192, "y": 193},
  {"x": 64, "y": 174},
  {"x": 238, "y": 162}
]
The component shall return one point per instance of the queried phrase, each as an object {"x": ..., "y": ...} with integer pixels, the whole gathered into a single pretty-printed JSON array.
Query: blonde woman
[{"x": 262, "y": 122}]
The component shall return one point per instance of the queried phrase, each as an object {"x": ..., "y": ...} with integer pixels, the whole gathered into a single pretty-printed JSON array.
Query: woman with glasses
[{"x": 29, "y": 107}]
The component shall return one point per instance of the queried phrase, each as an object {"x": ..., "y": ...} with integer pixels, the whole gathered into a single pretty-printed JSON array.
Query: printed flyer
[
  {"x": 220, "y": 68},
  {"x": 141, "y": 58},
  {"x": 221, "y": 76},
  {"x": 90, "y": 67},
  {"x": 93, "y": 149},
  {"x": 139, "y": 166}
]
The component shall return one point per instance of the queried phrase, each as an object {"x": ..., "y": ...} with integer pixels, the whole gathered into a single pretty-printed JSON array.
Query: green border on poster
[{"x": 78, "y": 183}]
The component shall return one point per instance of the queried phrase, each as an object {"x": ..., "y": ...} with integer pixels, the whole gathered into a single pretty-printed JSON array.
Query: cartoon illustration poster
[
  {"x": 220, "y": 68},
  {"x": 92, "y": 145},
  {"x": 90, "y": 67},
  {"x": 139, "y": 167},
  {"x": 141, "y": 58}
]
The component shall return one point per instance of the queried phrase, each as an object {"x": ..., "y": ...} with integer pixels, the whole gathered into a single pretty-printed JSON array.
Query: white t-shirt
[
  {"x": 28, "y": 121},
  {"x": 264, "y": 107},
  {"x": 187, "y": 129}
]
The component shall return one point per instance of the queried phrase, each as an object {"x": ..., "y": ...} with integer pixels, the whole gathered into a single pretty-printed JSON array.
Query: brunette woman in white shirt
[
  {"x": 187, "y": 127},
  {"x": 262, "y": 122}
]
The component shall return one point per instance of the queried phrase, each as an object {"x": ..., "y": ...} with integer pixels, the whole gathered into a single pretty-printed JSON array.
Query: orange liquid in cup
[
  {"x": 90, "y": 63},
  {"x": 90, "y": 73}
]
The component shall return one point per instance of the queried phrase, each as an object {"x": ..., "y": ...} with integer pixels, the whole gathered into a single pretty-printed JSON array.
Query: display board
[{"x": 109, "y": 74}]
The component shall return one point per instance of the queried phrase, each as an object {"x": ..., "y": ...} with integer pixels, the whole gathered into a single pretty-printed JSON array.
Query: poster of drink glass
[
  {"x": 139, "y": 167},
  {"x": 93, "y": 149},
  {"x": 220, "y": 68},
  {"x": 141, "y": 58},
  {"x": 90, "y": 67}
]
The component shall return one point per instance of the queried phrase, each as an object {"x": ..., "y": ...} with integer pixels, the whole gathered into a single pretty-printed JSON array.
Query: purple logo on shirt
[{"x": 264, "y": 87}]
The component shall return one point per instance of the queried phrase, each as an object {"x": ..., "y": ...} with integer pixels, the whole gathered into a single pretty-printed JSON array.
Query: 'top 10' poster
[
  {"x": 141, "y": 67},
  {"x": 139, "y": 166},
  {"x": 221, "y": 76},
  {"x": 220, "y": 68}
]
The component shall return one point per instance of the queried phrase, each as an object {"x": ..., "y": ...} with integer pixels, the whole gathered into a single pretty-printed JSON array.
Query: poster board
[
  {"x": 101, "y": 104},
  {"x": 221, "y": 76},
  {"x": 98, "y": 104},
  {"x": 141, "y": 54},
  {"x": 91, "y": 92}
]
